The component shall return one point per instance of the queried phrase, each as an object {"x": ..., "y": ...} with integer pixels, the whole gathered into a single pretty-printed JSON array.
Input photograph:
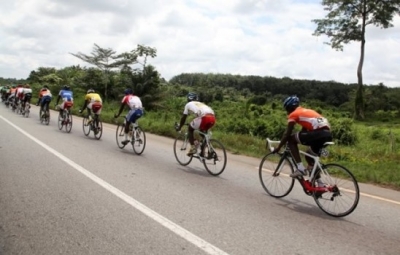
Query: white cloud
[{"x": 252, "y": 37}]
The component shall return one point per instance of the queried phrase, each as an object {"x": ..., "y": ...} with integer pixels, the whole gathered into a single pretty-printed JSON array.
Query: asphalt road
[{"x": 64, "y": 193}]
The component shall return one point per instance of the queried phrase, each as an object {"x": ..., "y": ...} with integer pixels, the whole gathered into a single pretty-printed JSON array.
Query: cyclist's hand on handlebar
[
  {"x": 177, "y": 128},
  {"x": 116, "y": 116},
  {"x": 276, "y": 150},
  {"x": 80, "y": 110}
]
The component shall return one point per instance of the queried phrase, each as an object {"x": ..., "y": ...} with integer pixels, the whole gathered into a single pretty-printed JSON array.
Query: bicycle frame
[{"x": 306, "y": 184}]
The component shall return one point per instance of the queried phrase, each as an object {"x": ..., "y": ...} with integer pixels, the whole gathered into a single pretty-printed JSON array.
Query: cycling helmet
[
  {"x": 291, "y": 102},
  {"x": 66, "y": 87},
  {"x": 90, "y": 91},
  {"x": 27, "y": 86},
  {"x": 128, "y": 91},
  {"x": 191, "y": 97}
]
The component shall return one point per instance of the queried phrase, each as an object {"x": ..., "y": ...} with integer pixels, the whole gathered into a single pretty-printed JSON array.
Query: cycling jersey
[
  {"x": 132, "y": 101},
  {"x": 93, "y": 97},
  {"x": 308, "y": 119},
  {"x": 198, "y": 109},
  {"x": 66, "y": 95}
]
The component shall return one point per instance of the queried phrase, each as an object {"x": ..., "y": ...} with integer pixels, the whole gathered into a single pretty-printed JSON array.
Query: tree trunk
[{"x": 359, "y": 101}]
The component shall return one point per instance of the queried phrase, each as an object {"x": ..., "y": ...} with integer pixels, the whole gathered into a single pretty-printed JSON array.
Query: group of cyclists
[
  {"x": 315, "y": 130},
  {"x": 16, "y": 94}
]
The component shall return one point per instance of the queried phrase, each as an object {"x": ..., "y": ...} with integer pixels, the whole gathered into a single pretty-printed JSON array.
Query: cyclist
[
  {"x": 204, "y": 118},
  {"x": 93, "y": 103},
  {"x": 19, "y": 94},
  {"x": 45, "y": 97},
  {"x": 314, "y": 133},
  {"x": 27, "y": 95},
  {"x": 135, "y": 112},
  {"x": 67, "y": 97},
  {"x": 11, "y": 97}
]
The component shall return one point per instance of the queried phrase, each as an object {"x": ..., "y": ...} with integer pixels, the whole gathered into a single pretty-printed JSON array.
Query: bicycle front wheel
[
  {"x": 98, "y": 129},
  {"x": 68, "y": 122},
  {"x": 139, "y": 142},
  {"x": 180, "y": 150},
  {"x": 274, "y": 173},
  {"x": 214, "y": 157},
  {"x": 86, "y": 126},
  {"x": 342, "y": 192},
  {"x": 120, "y": 135}
]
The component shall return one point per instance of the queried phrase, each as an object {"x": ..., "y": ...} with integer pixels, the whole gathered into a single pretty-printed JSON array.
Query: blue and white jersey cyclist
[{"x": 67, "y": 98}]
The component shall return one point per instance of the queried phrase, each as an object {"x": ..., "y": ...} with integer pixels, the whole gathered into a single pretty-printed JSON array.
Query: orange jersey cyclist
[
  {"x": 314, "y": 133},
  {"x": 45, "y": 97},
  {"x": 136, "y": 111},
  {"x": 203, "y": 121}
]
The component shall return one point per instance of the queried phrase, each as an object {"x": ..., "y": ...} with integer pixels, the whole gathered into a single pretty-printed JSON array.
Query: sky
[{"x": 245, "y": 37}]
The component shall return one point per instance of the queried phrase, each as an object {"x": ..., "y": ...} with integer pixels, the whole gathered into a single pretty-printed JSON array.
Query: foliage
[{"x": 346, "y": 21}]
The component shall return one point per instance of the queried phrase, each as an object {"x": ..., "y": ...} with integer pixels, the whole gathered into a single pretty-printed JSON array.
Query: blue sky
[{"x": 252, "y": 37}]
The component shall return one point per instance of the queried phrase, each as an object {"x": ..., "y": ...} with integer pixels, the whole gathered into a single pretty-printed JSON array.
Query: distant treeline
[{"x": 377, "y": 97}]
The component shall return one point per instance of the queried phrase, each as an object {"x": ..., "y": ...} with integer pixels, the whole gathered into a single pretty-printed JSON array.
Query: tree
[
  {"x": 106, "y": 60},
  {"x": 346, "y": 21}
]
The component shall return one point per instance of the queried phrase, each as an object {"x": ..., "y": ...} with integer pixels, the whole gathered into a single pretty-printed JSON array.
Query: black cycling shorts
[{"x": 315, "y": 139}]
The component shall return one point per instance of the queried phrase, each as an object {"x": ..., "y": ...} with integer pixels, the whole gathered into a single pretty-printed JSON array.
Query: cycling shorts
[{"x": 315, "y": 138}]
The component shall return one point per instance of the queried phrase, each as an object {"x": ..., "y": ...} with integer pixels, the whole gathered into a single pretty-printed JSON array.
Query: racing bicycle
[
  {"x": 93, "y": 123},
  {"x": 44, "y": 115},
  {"x": 65, "y": 117},
  {"x": 333, "y": 187},
  {"x": 210, "y": 152},
  {"x": 136, "y": 136}
]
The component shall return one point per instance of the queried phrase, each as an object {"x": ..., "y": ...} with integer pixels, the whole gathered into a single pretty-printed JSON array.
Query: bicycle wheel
[
  {"x": 86, "y": 126},
  {"x": 139, "y": 142},
  {"x": 343, "y": 193},
  {"x": 98, "y": 129},
  {"x": 27, "y": 110},
  {"x": 60, "y": 121},
  {"x": 214, "y": 157},
  {"x": 274, "y": 173},
  {"x": 120, "y": 135},
  {"x": 180, "y": 149},
  {"x": 47, "y": 117},
  {"x": 68, "y": 122}
]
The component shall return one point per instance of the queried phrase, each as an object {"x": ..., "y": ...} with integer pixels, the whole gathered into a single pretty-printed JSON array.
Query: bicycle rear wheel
[
  {"x": 345, "y": 194},
  {"x": 27, "y": 110},
  {"x": 68, "y": 122},
  {"x": 60, "y": 121},
  {"x": 86, "y": 126},
  {"x": 98, "y": 129},
  {"x": 120, "y": 135},
  {"x": 47, "y": 117},
  {"x": 214, "y": 157},
  {"x": 139, "y": 142},
  {"x": 180, "y": 150},
  {"x": 274, "y": 173}
]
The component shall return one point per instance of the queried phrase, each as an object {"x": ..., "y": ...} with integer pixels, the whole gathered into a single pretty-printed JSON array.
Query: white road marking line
[
  {"x": 185, "y": 234},
  {"x": 361, "y": 193}
]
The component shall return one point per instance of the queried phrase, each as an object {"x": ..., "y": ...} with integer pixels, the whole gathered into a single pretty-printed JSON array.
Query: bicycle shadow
[
  {"x": 310, "y": 209},
  {"x": 195, "y": 170}
]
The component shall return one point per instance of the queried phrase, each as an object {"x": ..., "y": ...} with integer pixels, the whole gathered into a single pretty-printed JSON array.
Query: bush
[{"x": 342, "y": 131}]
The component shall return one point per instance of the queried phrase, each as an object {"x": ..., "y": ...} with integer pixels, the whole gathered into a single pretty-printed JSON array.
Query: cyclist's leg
[{"x": 207, "y": 122}]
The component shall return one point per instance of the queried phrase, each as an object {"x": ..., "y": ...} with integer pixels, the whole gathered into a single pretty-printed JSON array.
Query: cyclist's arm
[
  {"x": 84, "y": 105},
  {"x": 286, "y": 135},
  {"x": 121, "y": 108},
  {"x": 183, "y": 119},
  {"x": 58, "y": 98}
]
